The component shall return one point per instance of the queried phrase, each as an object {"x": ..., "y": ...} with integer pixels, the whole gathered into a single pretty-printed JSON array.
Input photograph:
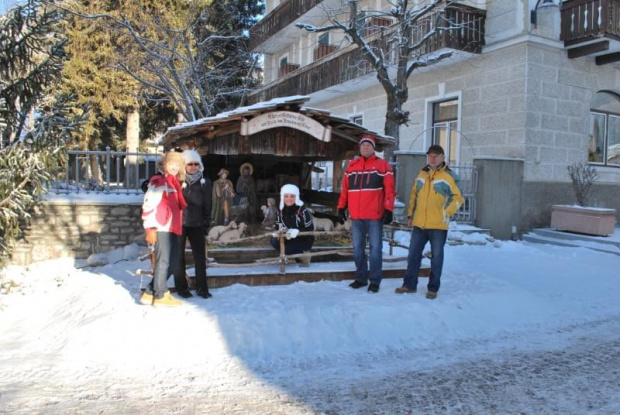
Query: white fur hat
[
  {"x": 192, "y": 156},
  {"x": 290, "y": 189}
]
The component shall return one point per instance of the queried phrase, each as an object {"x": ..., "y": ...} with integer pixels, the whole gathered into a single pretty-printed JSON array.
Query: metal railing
[{"x": 104, "y": 172}]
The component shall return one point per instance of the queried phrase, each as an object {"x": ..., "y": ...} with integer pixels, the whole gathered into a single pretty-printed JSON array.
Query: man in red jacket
[{"x": 368, "y": 193}]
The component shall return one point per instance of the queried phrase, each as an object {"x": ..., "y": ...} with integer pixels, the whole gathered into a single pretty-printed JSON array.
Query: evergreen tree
[
  {"x": 233, "y": 70},
  {"x": 190, "y": 53},
  {"x": 31, "y": 60},
  {"x": 30, "y": 67},
  {"x": 92, "y": 76}
]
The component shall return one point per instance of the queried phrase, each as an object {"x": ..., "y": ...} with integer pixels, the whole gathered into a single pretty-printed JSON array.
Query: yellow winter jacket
[{"x": 435, "y": 197}]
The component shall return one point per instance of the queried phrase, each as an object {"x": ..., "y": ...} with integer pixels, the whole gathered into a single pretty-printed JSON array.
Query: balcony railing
[
  {"x": 585, "y": 20},
  {"x": 285, "y": 14},
  {"x": 288, "y": 68},
  {"x": 376, "y": 24},
  {"x": 323, "y": 50},
  {"x": 348, "y": 63}
]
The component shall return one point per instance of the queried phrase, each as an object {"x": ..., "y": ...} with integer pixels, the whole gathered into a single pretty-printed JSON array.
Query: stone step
[
  {"x": 571, "y": 236},
  {"x": 541, "y": 239}
]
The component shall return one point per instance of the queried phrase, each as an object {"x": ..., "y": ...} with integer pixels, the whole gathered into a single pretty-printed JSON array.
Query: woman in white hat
[
  {"x": 292, "y": 218},
  {"x": 196, "y": 220}
]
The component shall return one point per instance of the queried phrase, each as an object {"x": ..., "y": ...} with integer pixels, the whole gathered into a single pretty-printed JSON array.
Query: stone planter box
[{"x": 587, "y": 220}]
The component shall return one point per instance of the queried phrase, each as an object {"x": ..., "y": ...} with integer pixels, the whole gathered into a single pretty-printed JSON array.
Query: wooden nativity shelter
[{"x": 281, "y": 139}]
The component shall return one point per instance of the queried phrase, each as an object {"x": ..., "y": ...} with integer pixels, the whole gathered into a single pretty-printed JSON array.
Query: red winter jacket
[
  {"x": 163, "y": 204},
  {"x": 367, "y": 188}
]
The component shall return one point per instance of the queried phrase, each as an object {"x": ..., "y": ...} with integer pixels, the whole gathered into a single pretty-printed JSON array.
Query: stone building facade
[{"x": 528, "y": 95}]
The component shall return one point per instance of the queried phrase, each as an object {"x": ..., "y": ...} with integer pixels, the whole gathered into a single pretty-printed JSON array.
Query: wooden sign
[{"x": 288, "y": 119}]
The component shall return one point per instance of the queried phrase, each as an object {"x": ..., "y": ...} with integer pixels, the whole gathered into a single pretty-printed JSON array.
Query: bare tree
[
  {"x": 201, "y": 64},
  {"x": 396, "y": 43},
  {"x": 583, "y": 177}
]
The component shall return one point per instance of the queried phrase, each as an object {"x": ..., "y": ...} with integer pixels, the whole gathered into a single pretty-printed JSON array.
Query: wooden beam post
[{"x": 282, "y": 253}]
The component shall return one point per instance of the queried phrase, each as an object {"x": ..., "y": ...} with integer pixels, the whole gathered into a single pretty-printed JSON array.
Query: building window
[
  {"x": 324, "y": 39},
  {"x": 604, "y": 133},
  {"x": 445, "y": 124},
  {"x": 357, "y": 119}
]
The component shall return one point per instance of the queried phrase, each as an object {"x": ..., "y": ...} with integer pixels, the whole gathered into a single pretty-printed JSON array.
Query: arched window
[{"x": 604, "y": 138}]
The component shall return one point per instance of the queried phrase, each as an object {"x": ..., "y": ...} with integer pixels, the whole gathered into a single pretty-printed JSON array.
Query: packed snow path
[
  {"x": 517, "y": 329},
  {"x": 582, "y": 378}
]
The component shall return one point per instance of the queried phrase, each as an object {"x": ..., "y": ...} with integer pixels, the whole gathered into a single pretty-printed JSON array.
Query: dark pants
[
  {"x": 166, "y": 260},
  {"x": 419, "y": 237},
  {"x": 196, "y": 236},
  {"x": 294, "y": 246}
]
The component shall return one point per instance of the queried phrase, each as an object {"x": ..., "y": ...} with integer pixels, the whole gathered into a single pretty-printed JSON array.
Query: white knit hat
[
  {"x": 192, "y": 156},
  {"x": 290, "y": 189}
]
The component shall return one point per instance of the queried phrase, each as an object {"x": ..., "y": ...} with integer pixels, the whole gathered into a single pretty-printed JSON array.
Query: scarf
[{"x": 193, "y": 178}]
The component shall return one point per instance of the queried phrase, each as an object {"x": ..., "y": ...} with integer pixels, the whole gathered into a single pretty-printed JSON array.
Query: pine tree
[
  {"x": 30, "y": 67},
  {"x": 190, "y": 53}
]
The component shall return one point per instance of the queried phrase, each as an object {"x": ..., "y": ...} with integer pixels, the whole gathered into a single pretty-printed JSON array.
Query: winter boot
[
  {"x": 204, "y": 293},
  {"x": 431, "y": 295},
  {"x": 405, "y": 290},
  {"x": 357, "y": 284},
  {"x": 184, "y": 293},
  {"x": 146, "y": 299},
  {"x": 373, "y": 288},
  {"x": 166, "y": 301},
  {"x": 304, "y": 260}
]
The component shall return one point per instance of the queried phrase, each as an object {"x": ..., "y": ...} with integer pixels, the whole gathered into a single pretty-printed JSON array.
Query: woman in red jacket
[{"x": 162, "y": 213}]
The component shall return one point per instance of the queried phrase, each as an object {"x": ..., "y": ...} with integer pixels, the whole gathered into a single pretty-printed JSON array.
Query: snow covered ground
[{"x": 517, "y": 328}]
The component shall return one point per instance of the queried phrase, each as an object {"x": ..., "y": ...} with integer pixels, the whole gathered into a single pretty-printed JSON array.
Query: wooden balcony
[
  {"x": 279, "y": 18},
  {"x": 376, "y": 24},
  {"x": 323, "y": 50},
  {"x": 288, "y": 68},
  {"x": 591, "y": 27},
  {"x": 347, "y": 63}
]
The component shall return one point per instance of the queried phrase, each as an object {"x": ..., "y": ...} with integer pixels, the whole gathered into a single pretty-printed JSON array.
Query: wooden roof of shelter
[{"x": 281, "y": 127}]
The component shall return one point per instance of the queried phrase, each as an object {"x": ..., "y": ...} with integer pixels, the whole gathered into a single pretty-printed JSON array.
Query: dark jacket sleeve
[{"x": 207, "y": 191}]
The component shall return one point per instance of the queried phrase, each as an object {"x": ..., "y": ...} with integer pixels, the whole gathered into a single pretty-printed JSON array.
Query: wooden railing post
[{"x": 282, "y": 253}]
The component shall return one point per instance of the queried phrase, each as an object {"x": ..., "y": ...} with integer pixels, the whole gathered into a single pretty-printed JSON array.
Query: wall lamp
[{"x": 539, "y": 5}]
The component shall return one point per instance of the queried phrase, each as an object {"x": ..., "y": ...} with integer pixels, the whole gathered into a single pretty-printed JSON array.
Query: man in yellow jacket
[{"x": 435, "y": 197}]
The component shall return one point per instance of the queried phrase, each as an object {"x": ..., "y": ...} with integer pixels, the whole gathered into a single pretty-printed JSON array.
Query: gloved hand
[
  {"x": 387, "y": 217},
  {"x": 292, "y": 233},
  {"x": 151, "y": 236},
  {"x": 342, "y": 215}
]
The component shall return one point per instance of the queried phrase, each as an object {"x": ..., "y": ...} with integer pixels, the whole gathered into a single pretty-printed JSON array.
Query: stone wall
[{"x": 77, "y": 230}]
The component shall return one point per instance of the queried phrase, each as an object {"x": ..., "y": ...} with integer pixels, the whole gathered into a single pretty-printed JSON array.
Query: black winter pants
[
  {"x": 196, "y": 236},
  {"x": 294, "y": 246}
]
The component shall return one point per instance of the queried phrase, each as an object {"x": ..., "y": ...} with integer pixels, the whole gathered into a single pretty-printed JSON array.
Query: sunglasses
[{"x": 192, "y": 164}]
